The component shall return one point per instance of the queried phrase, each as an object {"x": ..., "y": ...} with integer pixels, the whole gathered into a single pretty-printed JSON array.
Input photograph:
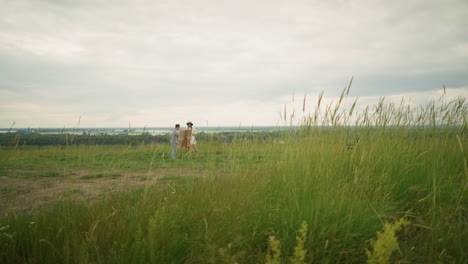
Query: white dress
[{"x": 192, "y": 138}]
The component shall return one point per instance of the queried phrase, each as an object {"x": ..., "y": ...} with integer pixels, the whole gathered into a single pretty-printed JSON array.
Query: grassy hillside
[{"x": 247, "y": 196}]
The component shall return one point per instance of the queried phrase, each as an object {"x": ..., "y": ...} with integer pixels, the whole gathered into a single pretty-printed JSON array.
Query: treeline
[{"x": 37, "y": 139}]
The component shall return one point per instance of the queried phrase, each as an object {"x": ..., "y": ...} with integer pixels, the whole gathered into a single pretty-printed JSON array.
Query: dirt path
[{"x": 29, "y": 194}]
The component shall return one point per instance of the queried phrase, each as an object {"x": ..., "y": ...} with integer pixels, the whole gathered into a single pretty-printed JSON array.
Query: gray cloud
[{"x": 109, "y": 57}]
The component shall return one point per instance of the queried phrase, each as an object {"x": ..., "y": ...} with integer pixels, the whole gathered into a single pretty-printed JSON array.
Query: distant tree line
[{"x": 38, "y": 139}]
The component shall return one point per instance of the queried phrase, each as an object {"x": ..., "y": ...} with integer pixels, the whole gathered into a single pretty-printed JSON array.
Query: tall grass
[{"x": 344, "y": 173}]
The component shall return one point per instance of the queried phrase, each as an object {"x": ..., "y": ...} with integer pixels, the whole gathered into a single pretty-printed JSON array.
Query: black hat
[{"x": 189, "y": 122}]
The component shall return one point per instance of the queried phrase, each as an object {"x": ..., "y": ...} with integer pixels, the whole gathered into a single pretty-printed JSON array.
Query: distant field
[{"x": 313, "y": 195}]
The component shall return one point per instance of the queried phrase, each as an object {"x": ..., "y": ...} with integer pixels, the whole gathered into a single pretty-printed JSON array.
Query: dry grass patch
[{"x": 27, "y": 194}]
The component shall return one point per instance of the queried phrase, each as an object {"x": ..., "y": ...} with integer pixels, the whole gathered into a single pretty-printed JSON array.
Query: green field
[{"x": 245, "y": 201}]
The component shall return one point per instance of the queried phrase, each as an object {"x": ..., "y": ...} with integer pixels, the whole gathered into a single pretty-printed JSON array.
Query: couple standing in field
[{"x": 175, "y": 139}]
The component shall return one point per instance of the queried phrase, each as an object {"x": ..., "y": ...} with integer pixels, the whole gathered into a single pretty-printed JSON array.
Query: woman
[{"x": 193, "y": 141}]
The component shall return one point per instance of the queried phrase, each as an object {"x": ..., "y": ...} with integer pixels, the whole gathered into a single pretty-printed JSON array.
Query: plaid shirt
[{"x": 175, "y": 136}]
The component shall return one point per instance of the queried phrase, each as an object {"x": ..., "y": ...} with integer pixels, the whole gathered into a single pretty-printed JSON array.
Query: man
[{"x": 175, "y": 140}]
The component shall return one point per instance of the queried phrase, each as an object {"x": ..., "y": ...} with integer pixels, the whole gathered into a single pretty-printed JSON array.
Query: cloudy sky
[{"x": 154, "y": 63}]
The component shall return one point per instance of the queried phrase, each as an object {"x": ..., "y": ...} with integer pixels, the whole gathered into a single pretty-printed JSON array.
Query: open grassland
[{"x": 314, "y": 195}]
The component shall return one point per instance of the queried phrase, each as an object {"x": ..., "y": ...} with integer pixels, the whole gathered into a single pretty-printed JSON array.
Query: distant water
[{"x": 139, "y": 130}]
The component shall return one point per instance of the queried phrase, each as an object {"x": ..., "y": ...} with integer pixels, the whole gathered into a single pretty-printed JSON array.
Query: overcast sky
[{"x": 155, "y": 63}]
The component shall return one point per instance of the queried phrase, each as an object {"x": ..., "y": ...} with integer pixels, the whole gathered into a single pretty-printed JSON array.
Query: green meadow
[{"x": 384, "y": 184}]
